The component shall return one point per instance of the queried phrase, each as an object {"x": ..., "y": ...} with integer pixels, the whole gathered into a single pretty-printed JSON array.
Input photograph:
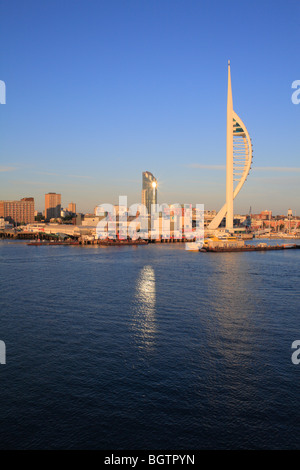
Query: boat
[
  {"x": 51, "y": 243},
  {"x": 193, "y": 246},
  {"x": 233, "y": 244},
  {"x": 259, "y": 247},
  {"x": 110, "y": 242}
]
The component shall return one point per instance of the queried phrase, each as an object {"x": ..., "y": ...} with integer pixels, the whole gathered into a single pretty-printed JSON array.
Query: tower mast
[
  {"x": 229, "y": 156},
  {"x": 238, "y": 161}
]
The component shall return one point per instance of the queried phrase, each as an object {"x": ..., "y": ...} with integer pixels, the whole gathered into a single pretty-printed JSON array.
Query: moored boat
[
  {"x": 51, "y": 243},
  {"x": 233, "y": 244},
  {"x": 259, "y": 247},
  {"x": 110, "y": 242}
]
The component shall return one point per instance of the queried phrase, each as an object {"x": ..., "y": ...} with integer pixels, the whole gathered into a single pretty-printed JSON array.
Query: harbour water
[{"x": 148, "y": 347}]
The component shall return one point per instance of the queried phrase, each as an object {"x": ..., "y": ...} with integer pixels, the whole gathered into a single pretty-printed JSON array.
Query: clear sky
[{"x": 100, "y": 90}]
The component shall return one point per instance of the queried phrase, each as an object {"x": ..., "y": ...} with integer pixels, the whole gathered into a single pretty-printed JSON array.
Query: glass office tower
[{"x": 149, "y": 191}]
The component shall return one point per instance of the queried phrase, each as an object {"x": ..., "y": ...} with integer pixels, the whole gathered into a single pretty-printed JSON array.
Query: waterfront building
[
  {"x": 91, "y": 220},
  {"x": 238, "y": 161},
  {"x": 72, "y": 207},
  {"x": 149, "y": 190},
  {"x": 4, "y": 225},
  {"x": 208, "y": 217},
  {"x": 77, "y": 220},
  {"x": 266, "y": 215},
  {"x": 52, "y": 205},
  {"x": 18, "y": 212},
  {"x": 121, "y": 210}
]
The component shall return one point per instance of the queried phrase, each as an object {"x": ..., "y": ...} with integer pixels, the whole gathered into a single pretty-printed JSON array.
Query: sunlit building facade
[
  {"x": 149, "y": 190},
  {"x": 72, "y": 207},
  {"x": 52, "y": 205},
  {"x": 18, "y": 211}
]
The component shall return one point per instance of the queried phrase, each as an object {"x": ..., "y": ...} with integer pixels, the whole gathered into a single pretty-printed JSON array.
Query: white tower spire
[
  {"x": 238, "y": 160},
  {"x": 229, "y": 156}
]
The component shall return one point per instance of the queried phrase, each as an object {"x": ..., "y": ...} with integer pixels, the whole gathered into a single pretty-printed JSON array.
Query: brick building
[{"x": 18, "y": 211}]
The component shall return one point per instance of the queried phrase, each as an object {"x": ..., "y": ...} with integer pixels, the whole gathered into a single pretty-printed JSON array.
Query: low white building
[{"x": 4, "y": 224}]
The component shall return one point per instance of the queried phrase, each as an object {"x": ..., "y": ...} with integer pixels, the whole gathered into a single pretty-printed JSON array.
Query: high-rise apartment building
[
  {"x": 149, "y": 190},
  {"x": 18, "y": 211},
  {"x": 72, "y": 207},
  {"x": 52, "y": 205}
]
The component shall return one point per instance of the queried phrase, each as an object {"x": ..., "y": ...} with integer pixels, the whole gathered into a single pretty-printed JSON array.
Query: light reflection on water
[
  {"x": 233, "y": 296},
  {"x": 144, "y": 322},
  {"x": 232, "y": 334}
]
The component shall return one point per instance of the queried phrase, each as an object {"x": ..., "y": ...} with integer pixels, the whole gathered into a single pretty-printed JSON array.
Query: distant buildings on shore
[
  {"x": 18, "y": 212},
  {"x": 72, "y": 208},
  {"x": 279, "y": 223},
  {"x": 52, "y": 205},
  {"x": 54, "y": 210},
  {"x": 86, "y": 226},
  {"x": 22, "y": 212}
]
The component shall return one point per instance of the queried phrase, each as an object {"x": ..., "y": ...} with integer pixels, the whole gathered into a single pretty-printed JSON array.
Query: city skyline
[
  {"x": 85, "y": 119},
  {"x": 149, "y": 227}
]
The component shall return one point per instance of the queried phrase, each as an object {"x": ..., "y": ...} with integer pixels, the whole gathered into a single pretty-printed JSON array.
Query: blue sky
[{"x": 99, "y": 91}]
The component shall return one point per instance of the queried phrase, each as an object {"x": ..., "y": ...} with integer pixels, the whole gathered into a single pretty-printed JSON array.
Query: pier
[{"x": 41, "y": 238}]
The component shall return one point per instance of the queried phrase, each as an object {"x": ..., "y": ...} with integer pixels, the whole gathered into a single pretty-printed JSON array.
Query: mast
[{"x": 229, "y": 155}]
